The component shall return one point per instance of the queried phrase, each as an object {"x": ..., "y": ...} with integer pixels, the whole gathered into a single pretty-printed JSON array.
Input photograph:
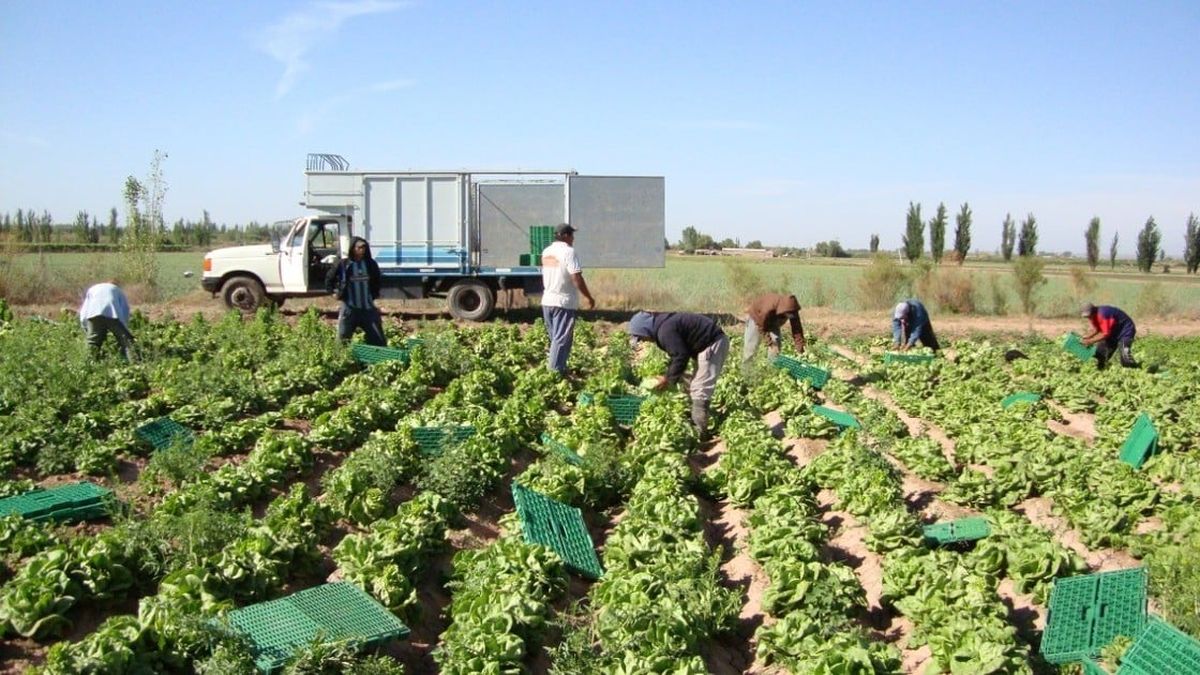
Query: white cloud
[
  {"x": 290, "y": 40},
  {"x": 313, "y": 114}
]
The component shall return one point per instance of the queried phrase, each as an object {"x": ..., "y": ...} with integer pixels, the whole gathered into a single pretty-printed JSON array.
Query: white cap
[{"x": 901, "y": 311}]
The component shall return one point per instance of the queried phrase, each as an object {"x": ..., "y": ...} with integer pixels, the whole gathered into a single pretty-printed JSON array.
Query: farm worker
[
  {"x": 685, "y": 337},
  {"x": 562, "y": 281},
  {"x": 105, "y": 310},
  {"x": 767, "y": 314},
  {"x": 1113, "y": 331},
  {"x": 910, "y": 322},
  {"x": 356, "y": 280}
]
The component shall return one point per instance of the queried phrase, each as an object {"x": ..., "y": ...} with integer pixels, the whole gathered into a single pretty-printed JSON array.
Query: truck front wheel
[
  {"x": 471, "y": 301},
  {"x": 244, "y": 293}
]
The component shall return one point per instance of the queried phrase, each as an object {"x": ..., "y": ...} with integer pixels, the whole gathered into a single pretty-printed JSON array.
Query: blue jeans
[
  {"x": 369, "y": 320},
  {"x": 560, "y": 323}
]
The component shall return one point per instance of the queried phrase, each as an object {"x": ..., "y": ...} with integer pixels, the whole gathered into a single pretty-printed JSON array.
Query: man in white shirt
[
  {"x": 562, "y": 282},
  {"x": 105, "y": 310}
]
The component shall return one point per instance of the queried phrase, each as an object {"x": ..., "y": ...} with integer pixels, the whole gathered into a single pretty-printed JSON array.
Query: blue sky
[{"x": 788, "y": 122}]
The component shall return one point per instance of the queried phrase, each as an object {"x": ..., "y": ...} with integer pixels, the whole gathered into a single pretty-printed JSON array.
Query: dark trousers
[
  {"x": 369, "y": 320},
  {"x": 97, "y": 330},
  {"x": 1122, "y": 346},
  {"x": 928, "y": 339}
]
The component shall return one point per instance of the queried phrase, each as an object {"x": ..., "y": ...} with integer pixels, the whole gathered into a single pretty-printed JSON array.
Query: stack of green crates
[{"x": 65, "y": 503}]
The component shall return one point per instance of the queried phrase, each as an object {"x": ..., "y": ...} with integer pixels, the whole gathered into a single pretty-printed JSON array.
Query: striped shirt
[{"x": 358, "y": 286}]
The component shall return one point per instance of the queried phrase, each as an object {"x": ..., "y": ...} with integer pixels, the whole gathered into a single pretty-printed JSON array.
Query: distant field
[
  {"x": 712, "y": 283},
  {"x": 716, "y": 284}
]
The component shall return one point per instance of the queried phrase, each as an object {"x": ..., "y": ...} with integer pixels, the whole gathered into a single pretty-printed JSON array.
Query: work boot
[
  {"x": 700, "y": 419},
  {"x": 1127, "y": 357}
]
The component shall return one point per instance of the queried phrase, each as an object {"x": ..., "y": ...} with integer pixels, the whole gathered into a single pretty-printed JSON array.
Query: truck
[{"x": 465, "y": 236}]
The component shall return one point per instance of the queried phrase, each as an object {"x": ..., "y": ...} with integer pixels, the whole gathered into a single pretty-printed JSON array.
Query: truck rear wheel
[
  {"x": 244, "y": 293},
  {"x": 471, "y": 301}
]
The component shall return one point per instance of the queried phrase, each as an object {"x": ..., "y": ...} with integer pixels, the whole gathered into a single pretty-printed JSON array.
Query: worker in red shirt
[{"x": 1113, "y": 331}]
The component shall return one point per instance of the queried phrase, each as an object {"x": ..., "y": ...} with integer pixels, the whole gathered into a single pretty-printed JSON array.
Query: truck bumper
[{"x": 210, "y": 284}]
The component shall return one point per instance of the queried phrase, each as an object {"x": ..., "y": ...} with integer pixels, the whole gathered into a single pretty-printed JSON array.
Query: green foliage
[
  {"x": 874, "y": 244},
  {"x": 1027, "y": 241},
  {"x": 1191, "y": 255},
  {"x": 880, "y": 283},
  {"x": 1008, "y": 237},
  {"x": 1149, "y": 243},
  {"x": 1092, "y": 237},
  {"x": 937, "y": 234},
  {"x": 1027, "y": 278},
  {"x": 962, "y": 233},
  {"x": 914, "y": 233},
  {"x": 1112, "y": 251}
]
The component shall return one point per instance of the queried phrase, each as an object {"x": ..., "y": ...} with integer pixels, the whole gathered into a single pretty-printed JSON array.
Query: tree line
[
  {"x": 26, "y": 226},
  {"x": 1023, "y": 240}
]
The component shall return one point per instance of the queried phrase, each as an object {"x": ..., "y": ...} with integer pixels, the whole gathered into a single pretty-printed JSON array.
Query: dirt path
[
  {"x": 1040, "y": 512},
  {"x": 724, "y": 527},
  {"x": 1075, "y": 425},
  {"x": 916, "y": 425}
]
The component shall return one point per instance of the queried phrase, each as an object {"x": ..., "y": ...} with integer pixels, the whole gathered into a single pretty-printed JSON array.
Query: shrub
[
  {"x": 1082, "y": 283},
  {"x": 821, "y": 296},
  {"x": 999, "y": 296},
  {"x": 1027, "y": 278},
  {"x": 1153, "y": 300},
  {"x": 880, "y": 283},
  {"x": 951, "y": 289}
]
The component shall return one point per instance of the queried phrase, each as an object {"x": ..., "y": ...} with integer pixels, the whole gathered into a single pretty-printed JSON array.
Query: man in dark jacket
[
  {"x": 910, "y": 322},
  {"x": 685, "y": 337},
  {"x": 356, "y": 280},
  {"x": 1113, "y": 332}
]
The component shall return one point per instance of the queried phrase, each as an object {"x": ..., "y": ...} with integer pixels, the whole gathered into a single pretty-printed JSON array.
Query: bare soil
[{"x": 1039, "y": 511}]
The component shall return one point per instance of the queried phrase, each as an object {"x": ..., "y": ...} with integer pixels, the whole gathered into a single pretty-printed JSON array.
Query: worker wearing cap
[
  {"x": 105, "y": 310},
  {"x": 767, "y": 314},
  {"x": 684, "y": 337},
  {"x": 562, "y": 282},
  {"x": 910, "y": 322},
  {"x": 1113, "y": 331}
]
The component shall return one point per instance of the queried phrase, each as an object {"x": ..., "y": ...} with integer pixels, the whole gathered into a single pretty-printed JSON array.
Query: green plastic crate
[
  {"x": 1020, "y": 397},
  {"x": 163, "y": 432},
  {"x": 1087, "y": 612},
  {"x": 339, "y": 612},
  {"x": 954, "y": 531},
  {"x": 1074, "y": 345},
  {"x": 625, "y": 408},
  {"x": 799, "y": 370},
  {"x": 559, "y": 527},
  {"x": 370, "y": 354},
  {"x": 1141, "y": 443},
  {"x": 897, "y": 357},
  {"x": 540, "y": 236},
  {"x": 566, "y": 453},
  {"x": 434, "y": 440},
  {"x": 842, "y": 419},
  {"x": 74, "y": 502},
  {"x": 1090, "y": 667},
  {"x": 1161, "y": 649}
]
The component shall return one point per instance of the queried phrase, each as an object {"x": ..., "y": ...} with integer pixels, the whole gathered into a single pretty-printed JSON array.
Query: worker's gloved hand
[{"x": 661, "y": 385}]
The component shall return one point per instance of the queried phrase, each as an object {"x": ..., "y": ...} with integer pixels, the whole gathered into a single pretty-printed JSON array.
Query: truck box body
[{"x": 479, "y": 223}]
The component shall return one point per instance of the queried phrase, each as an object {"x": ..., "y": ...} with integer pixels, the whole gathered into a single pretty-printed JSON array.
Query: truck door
[
  {"x": 621, "y": 220},
  {"x": 293, "y": 260}
]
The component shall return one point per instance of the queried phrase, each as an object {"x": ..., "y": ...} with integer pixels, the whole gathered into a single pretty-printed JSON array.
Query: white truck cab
[
  {"x": 460, "y": 235},
  {"x": 294, "y": 264}
]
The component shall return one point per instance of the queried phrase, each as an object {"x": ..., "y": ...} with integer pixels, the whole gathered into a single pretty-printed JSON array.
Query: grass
[{"x": 705, "y": 284}]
